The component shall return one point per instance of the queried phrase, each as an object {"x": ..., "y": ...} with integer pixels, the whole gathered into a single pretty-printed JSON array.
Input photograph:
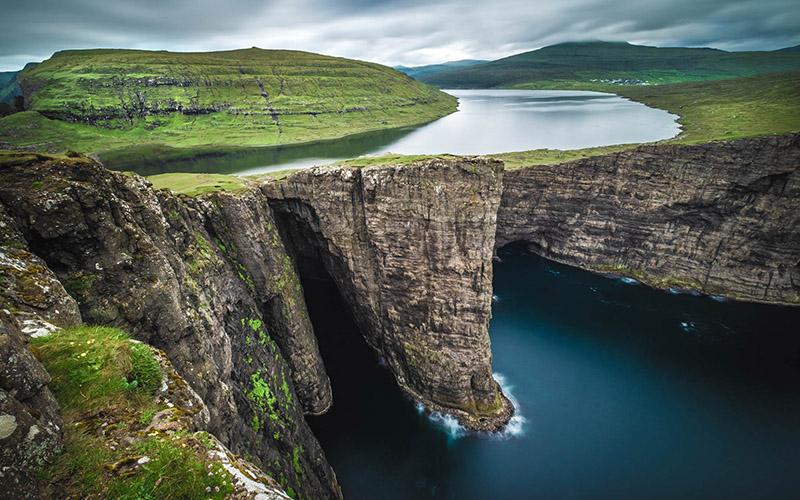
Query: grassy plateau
[{"x": 93, "y": 101}]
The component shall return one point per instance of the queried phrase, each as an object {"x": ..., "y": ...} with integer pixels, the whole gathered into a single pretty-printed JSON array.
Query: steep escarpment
[
  {"x": 721, "y": 218},
  {"x": 166, "y": 270},
  {"x": 409, "y": 248}
]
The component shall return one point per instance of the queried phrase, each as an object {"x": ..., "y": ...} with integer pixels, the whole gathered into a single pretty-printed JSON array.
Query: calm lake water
[
  {"x": 625, "y": 392},
  {"x": 488, "y": 121}
]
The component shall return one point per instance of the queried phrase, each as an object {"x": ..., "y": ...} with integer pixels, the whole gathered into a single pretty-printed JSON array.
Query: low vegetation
[
  {"x": 727, "y": 109},
  {"x": 96, "y": 101},
  {"x": 106, "y": 386},
  {"x": 197, "y": 184}
]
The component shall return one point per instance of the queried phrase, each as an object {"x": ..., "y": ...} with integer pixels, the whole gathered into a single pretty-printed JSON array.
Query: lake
[
  {"x": 487, "y": 121},
  {"x": 622, "y": 391}
]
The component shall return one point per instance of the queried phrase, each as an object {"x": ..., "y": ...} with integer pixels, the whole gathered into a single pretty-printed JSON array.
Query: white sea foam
[
  {"x": 454, "y": 430},
  {"x": 447, "y": 423},
  {"x": 515, "y": 426}
]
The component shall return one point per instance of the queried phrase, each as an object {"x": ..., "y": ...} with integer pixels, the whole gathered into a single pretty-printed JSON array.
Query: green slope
[
  {"x": 93, "y": 100},
  {"x": 419, "y": 72},
  {"x": 600, "y": 63}
]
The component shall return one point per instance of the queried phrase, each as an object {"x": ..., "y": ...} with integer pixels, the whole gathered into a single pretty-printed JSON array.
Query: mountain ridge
[{"x": 602, "y": 62}]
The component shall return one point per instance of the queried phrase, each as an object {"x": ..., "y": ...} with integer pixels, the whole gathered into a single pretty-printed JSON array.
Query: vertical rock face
[
  {"x": 172, "y": 272},
  {"x": 243, "y": 228},
  {"x": 410, "y": 250},
  {"x": 721, "y": 218},
  {"x": 32, "y": 302}
]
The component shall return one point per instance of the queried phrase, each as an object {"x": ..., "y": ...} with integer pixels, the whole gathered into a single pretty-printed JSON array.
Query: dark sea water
[
  {"x": 487, "y": 121},
  {"x": 625, "y": 392}
]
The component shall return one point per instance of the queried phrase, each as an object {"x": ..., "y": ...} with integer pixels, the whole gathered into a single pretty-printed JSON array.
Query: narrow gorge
[{"x": 215, "y": 281}]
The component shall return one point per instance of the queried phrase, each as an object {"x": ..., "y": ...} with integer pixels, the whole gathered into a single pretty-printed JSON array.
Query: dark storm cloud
[{"x": 389, "y": 31}]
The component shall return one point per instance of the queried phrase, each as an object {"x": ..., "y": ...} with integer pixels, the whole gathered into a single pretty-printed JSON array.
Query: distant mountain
[
  {"x": 422, "y": 71},
  {"x": 584, "y": 63},
  {"x": 795, "y": 48},
  {"x": 9, "y": 86}
]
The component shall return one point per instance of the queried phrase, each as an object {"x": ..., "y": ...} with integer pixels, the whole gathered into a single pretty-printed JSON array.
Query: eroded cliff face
[
  {"x": 206, "y": 281},
  {"x": 721, "y": 218},
  {"x": 32, "y": 303},
  {"x": 409, "y": 248}
]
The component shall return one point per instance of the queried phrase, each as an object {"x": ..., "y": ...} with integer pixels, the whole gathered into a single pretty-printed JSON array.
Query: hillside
[
  {"x": 90, "y": 100},
  {"x": 617, "y": 63},
  {"x": 430, "y": 69}
]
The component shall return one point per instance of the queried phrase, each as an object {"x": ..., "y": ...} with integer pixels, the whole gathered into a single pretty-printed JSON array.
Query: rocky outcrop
[
  {"x": 32, "y": 303},
  {"x": 167, "y": 270},
  {"x": 409, "y": 248},
  {"x": 721, "y": 218}
]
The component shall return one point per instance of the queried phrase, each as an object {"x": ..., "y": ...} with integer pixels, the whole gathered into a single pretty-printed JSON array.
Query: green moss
[
  {"x": 287, "y": 392},
  {"x": 200, "y": 254},
  {"x": 262, "y": 396},
  {"x": 244, "y": 275},
  {"x": 298, "y": 469},
  {"x": 79, "y": 285}
]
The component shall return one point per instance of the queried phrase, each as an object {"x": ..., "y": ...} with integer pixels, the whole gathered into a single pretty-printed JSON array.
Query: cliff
[
  {"x": 212, "y": 282},
  {"x": 409, "y": 248},
  {"x": 165, "y": 269},
  {"x": 32, "y": 303},
  {"x": 721, "y": 218}
]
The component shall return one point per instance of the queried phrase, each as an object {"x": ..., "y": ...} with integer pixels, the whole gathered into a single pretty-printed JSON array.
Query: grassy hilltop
[
  {"x": 94, "y": 100},
  {"x": 576, "y": 64}
]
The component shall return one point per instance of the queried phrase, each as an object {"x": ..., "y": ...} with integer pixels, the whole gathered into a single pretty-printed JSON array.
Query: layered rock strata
[
  {"x": 721, "y": 218},
  {"x": 409, "y": 248}
]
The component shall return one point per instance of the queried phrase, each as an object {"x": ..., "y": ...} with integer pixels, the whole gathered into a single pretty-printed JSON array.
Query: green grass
[
  {"x": 97, "y": 367},
  {"x": 709, "y": 111},
  {"x": 552, "y": 156},
  {"x": 98, "y": 101},
  {"x": 728, "y": 109},
  {"x": 105, "y": 384},
  {"x": 197, "y": 184},
  {"x": 558, "y": 66},
  {"x": 388, "y": 159}
]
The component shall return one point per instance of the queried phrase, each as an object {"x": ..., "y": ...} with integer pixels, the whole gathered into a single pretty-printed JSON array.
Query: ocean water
[{"x": 622, "y": 391}]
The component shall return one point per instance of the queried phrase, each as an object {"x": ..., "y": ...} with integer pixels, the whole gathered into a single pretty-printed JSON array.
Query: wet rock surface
[
  {"x": 410, "y": 248},
  {"x": 721, "y": 218}
]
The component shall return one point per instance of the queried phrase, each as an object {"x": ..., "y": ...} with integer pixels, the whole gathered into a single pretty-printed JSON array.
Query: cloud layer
[{"x": 410, "y": 32}]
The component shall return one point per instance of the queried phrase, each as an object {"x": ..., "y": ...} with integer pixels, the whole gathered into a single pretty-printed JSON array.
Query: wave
[{"x": 449, "y": 424}]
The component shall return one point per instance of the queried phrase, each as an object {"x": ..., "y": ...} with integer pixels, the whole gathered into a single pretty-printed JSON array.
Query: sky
[{"x": 391, "y": 32}]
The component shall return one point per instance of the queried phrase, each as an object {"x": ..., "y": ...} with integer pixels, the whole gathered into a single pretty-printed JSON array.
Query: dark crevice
[{"x": 332, "y": 315}]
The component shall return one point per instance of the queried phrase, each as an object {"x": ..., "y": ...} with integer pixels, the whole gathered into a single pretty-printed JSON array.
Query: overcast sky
[{"x": 410, "y": 32}]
